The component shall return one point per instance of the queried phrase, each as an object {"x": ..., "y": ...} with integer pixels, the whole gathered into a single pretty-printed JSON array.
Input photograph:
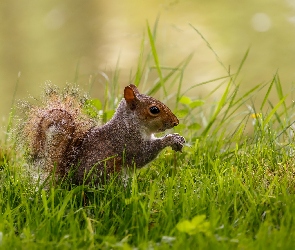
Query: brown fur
[{"x": 62, "y": 136}]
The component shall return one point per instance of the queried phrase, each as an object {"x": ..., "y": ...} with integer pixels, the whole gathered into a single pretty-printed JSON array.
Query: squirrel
[{"x": 60, "y": 137}]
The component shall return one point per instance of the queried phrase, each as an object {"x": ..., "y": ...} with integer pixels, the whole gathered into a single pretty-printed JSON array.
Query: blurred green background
[{"x": 47, "y": 40}]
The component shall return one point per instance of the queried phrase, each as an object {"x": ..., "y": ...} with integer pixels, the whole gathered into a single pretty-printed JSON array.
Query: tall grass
[{"x": 231, "y": 188}]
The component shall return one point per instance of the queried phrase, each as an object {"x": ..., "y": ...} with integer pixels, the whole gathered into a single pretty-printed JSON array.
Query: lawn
[{"x": 232, "y": 187}]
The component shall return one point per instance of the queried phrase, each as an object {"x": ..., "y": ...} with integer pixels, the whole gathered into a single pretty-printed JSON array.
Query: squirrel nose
[{"x": 175, "y": 122}]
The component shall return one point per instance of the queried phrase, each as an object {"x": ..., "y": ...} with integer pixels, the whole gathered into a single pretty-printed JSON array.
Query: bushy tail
[{"x": 54, "y": 129}]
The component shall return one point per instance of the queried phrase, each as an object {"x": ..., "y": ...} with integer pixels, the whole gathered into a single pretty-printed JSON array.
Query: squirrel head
[{"x": 153, "y": 114}]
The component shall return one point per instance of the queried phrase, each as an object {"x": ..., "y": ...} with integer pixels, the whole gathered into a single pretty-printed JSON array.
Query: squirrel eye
[{"x": 154, "y": 110}]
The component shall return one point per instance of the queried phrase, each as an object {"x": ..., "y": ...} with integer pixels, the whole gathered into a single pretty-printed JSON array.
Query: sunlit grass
[{"x": 232, "y": 187}]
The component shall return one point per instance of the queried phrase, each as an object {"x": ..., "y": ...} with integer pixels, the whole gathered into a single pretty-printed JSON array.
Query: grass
[{"x": 231, "y": 188}]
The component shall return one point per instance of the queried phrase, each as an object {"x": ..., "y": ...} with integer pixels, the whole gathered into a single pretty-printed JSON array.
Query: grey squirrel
[{"x": 61, "y": 137}]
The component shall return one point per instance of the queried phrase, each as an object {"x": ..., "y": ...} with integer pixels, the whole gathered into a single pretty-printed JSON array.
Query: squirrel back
[{"x": 61, "y": 138}]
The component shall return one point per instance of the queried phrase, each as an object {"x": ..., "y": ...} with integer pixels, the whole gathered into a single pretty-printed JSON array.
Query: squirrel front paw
[{"x": 176, "y": 141}]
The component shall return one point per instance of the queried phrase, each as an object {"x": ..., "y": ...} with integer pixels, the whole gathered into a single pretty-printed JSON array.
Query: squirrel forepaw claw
[{"x": 177, "y": 142}]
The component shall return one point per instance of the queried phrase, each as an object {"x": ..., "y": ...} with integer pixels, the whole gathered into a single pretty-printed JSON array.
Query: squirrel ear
[
  {"x": 130, "y": 93},
  {"x": 134, "y": 88}
]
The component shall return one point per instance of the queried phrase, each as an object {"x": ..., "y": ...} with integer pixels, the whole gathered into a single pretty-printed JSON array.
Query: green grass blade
[
  {"x": 241, "y": 64},
  {"x": 273, "y": 111},
  {"x": 12, "y": 109},
  {"x": 172, "y": 71},
  {"x": 203, "y": 83},
  {"x": 220, "y": 105},
  {"x": 210, "y": 47},
  {"x": 156, "y": 58},
  {"x": 140, "y": 65},
  {"x": 267, "y": 93},
  {"x": 280, "y": 90}
]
